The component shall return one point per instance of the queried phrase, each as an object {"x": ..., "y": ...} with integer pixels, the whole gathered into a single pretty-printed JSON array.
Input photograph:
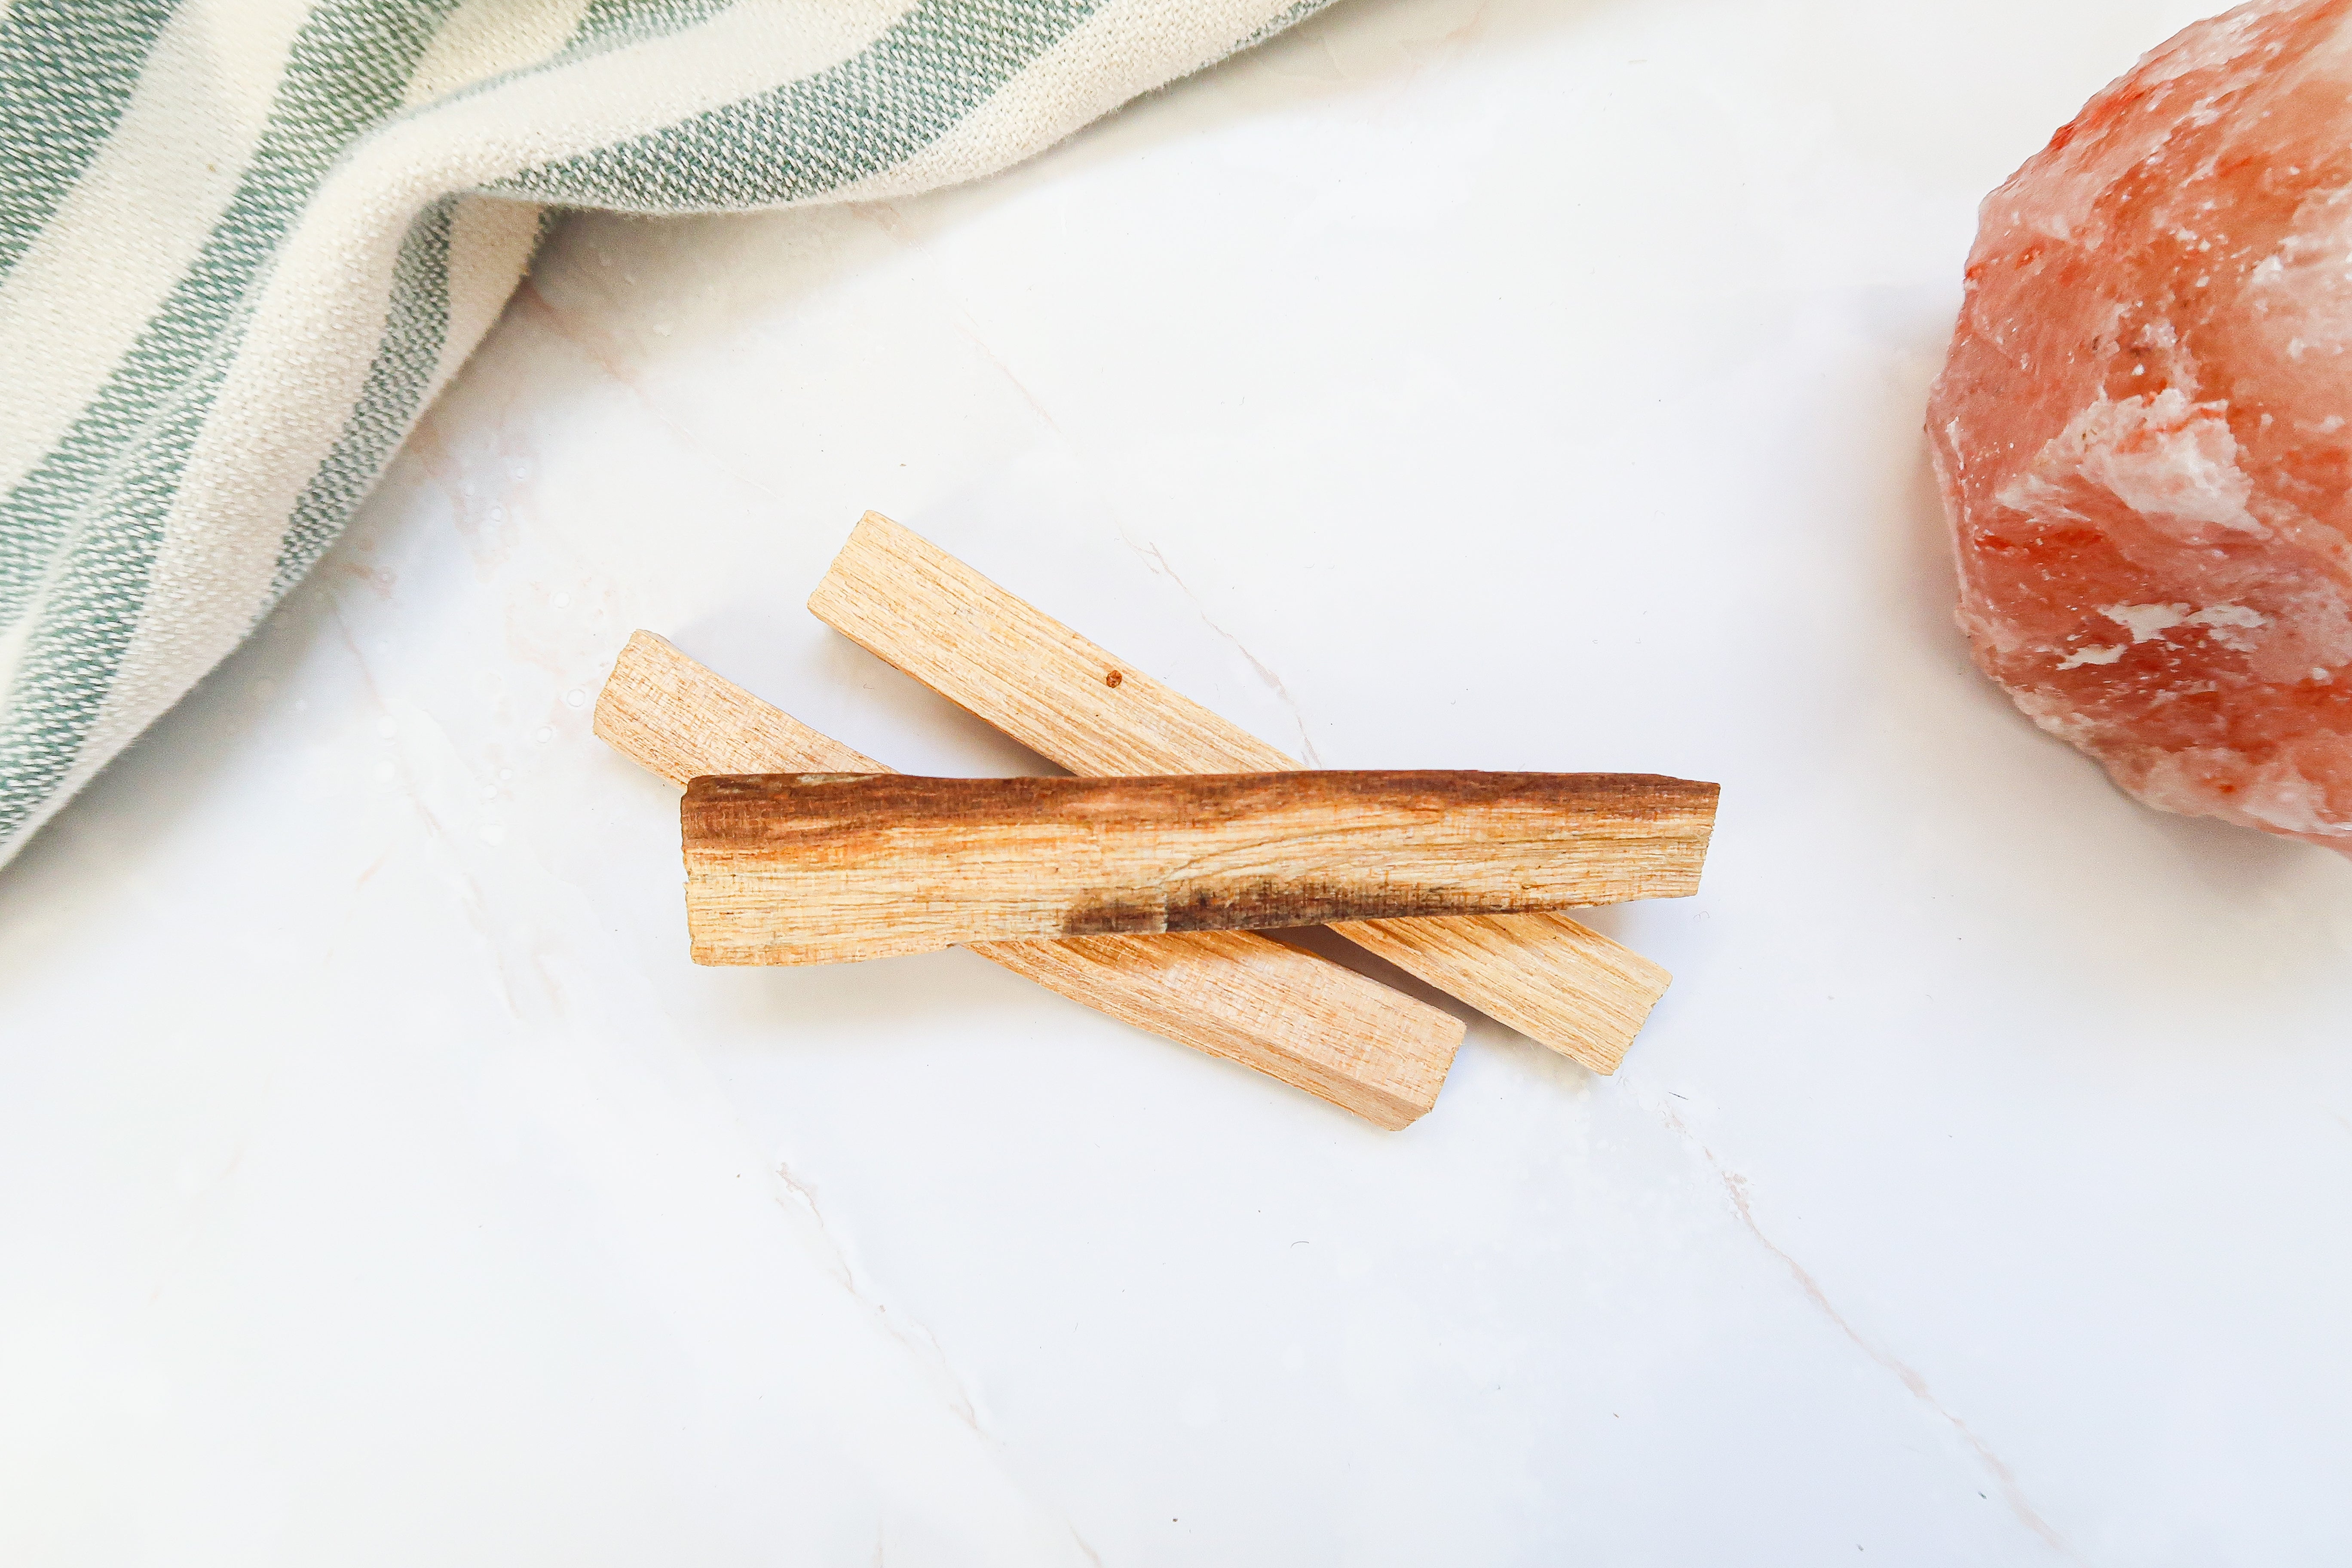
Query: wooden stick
[
  {"x": 1285, "y": 1012},
  {"x": 834, "y": 867},
  {"x": 912, "y": 603}
]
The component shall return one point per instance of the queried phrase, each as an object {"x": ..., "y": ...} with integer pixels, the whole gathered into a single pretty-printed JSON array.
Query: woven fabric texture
[{"x": 244, "y": 242}]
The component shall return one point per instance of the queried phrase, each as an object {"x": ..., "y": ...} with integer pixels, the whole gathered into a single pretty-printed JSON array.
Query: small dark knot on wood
[{"x": 1113, "y": 678}]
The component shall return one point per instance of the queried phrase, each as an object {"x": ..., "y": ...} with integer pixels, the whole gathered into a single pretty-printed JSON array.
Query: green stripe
[
  {"x": 608, "y": 23},
  {"x": 416, "y": 326},
  {"x": 91, "y": 604},
  {"x": 87, "y": 521},
  {"x": 67, "y": 70},
  {"x": 880, "y": 107},
  {"x": 414, "y": 329}
]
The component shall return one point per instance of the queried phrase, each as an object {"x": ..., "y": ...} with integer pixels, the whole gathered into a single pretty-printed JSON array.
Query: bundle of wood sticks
[{"x": 1144, "y": 886}]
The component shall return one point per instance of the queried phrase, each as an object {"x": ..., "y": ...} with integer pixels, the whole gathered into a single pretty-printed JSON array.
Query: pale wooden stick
[
  {"x": 833, "y": 868},
  {"x": 911, "y": 603},
  {"x": 1287, "y": 1013}
]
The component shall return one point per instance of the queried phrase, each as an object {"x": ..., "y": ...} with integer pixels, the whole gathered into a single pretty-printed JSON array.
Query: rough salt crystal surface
[{"x": 2144, "y": 433}]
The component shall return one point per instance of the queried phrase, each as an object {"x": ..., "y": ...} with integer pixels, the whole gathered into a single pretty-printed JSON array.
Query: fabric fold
[{"x": 225, "y": 318}]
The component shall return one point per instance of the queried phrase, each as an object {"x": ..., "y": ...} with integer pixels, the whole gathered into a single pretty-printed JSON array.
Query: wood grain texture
[
  {"x": 833, "y": 867},
  {"x": 920, "y": 608},
  {"x": 1289, "y": 1014}
]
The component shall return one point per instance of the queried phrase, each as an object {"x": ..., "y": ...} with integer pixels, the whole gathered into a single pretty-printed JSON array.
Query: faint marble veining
[
  {"x": 1159, "y": 562},
  {"x": 894, "y": 226},
  {"x": 918, "y": 1339},
  {"x": 920, "y": 1342},
  {"x": 1736, "y": 1186},
  {"x": 531, "y": 300},
  {"x": 472, "y": 896}
]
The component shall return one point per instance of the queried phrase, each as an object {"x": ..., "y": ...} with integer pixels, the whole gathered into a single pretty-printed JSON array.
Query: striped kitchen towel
[{"x": 244, "y": 242}]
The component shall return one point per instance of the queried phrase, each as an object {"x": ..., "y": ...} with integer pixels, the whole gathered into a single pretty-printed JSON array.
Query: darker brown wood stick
[
  {"x": 905, "y": 599},
  {"x": 826, "y": 868}
]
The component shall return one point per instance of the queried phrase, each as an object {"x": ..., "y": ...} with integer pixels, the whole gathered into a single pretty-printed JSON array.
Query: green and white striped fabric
[{"x": 244, "y": 242}]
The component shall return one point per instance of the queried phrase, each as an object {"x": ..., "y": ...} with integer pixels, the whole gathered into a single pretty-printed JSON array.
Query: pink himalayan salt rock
[{"x": 2144, "y": 432}]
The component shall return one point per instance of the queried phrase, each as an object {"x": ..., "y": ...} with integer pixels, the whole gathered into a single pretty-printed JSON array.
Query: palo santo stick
[
  {"x": 833, "y": 868},
  {"x": 1287, "y": 1013},
  {"x": 912, "y": 603}
]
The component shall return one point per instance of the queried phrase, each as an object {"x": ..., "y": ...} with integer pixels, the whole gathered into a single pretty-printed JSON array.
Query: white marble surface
[{"x": 1517, "y": 386}]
